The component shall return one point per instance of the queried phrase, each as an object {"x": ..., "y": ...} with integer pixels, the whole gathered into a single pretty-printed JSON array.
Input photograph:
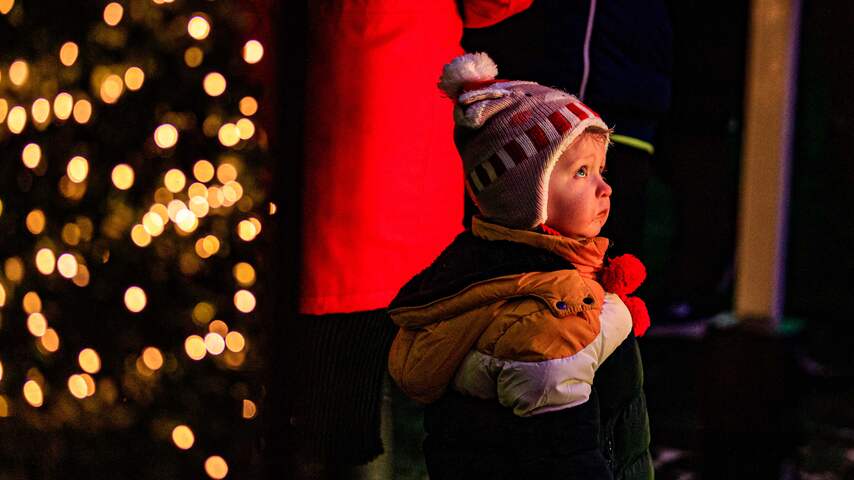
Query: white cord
[{"x": 587, "y": 36}]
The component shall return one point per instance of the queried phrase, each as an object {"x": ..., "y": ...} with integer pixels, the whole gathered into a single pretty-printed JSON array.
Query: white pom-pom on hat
[{"x": 471, "y": 67}]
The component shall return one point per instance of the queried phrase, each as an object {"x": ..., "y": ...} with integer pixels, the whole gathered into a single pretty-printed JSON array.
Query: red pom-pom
[
  {"x": 623, "y": 275},
  {"x": 640, "y": 315}
]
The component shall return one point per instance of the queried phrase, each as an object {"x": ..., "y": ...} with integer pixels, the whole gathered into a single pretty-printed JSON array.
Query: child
[{"x": 503, "y": 334}]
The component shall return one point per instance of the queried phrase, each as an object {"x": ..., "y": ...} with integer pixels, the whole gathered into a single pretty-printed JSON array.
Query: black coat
[{"x": 606, "y": 437}]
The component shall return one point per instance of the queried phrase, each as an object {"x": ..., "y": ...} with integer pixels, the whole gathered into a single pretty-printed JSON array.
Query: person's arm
[
  {"x": 485, "y": 13},
  {"x": 535, "y": 387}
]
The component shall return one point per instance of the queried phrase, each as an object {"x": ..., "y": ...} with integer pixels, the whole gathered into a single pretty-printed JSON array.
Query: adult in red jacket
[{"x": 382, "y": 195}]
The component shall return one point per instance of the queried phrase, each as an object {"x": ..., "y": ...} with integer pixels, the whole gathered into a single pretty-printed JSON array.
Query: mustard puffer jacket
[{"x": 531, "y": 340}]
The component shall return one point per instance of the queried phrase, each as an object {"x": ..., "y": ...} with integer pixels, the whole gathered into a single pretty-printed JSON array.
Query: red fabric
[
  {"x": 484, "y": 13},
  {"x": 380, "y": 159},
  {"x": 640, "y": 315},
  {"x": 623, "y": 275}
]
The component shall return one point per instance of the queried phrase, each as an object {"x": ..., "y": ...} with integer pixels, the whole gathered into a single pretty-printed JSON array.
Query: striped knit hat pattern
[{"x": 510, "y": 135}]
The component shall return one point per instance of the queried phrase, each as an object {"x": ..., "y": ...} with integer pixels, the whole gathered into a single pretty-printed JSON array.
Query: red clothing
[{"x": 380, "y": 162}]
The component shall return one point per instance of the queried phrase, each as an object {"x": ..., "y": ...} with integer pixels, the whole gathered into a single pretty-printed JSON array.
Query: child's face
[{"x": 579, "y": 199}]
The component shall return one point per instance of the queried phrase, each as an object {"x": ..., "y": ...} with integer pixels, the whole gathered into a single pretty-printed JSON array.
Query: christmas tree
[{"x": 132, "y": 197}]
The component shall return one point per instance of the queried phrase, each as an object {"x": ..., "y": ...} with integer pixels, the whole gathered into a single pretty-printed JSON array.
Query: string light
[
  {"x": 253, "y": 51},
  {"x": 166, "y": 135},
  {"x": 62, "y": 105},
  {"x": 6, "y": 6},
  {"x": 248, "y": 106},
  {"x": 82, "y": 111},
  {"x": 40, "y": 110},
  {"x": 31, "y": 155},
  {"x": 244, "y": 301},
  {"x": 183, "y": 437},
  {"x": 198, "y": 27},
  {"x": 112, "y": 88},
  {"x": 135, "y": 299},
  {"x": 19, "y": 72},
  {"x": 89, "y": 231},
  {"x": 195, "y": 347},
  {"x": 216, "y": 467},
  {"x": 68, "y": 53},
  {"x": 77, "y": 169},
  {"x": 113, "y": 14},
  {"x": 31, "y": 302},
  {"x": 122, "y": 176},
  {"x": 17, "y": 119},
  {"x": 89, "y": 360},
  {"x": 134, "y": 78},
  {"x": 36, "y": 324},
  {"x": 36, "y": 221},
  {"x": 33, "y": 393},
  {"x": 45, "y": 261},
  {"x": 249, "y": 409},
  {"x": 174, "y": 180}
]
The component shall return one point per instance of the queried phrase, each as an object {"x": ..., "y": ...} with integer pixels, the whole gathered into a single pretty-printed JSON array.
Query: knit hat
[{"x": 510, "y": 135}]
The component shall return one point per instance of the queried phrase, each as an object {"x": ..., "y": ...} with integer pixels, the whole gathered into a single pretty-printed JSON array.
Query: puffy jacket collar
[
  {"x": 586, "y": 255},
  {"x": 491, "y": 263}
]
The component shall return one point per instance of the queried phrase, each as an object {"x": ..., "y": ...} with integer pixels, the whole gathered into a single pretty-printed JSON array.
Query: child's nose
[{"x": 604, "y": 189}]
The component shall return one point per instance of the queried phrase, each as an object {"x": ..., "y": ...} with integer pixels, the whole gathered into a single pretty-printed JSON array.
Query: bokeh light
[
  {"x": 36, "y": 324},
  {"x": 193, "y": 57},
  {"x": 45, "y": 261},
  {"x": 249, "y": 409},
  {"x": 17, "y": 119},
  {"x": 244, "y": 273},
  {"x": 174, "y": 180},
  {"x": 68, "y": 53},
  {"x": 183, "y": 437},
  {"x": 66, "y": 264},
  {"x": 112, "y": 88},
  {"x": 228, "y": 134},
  {"x": 36, "y": 221},
  {"x": 77, "y": 386},
  {"x": 214, "y": 84},
  {"x": 33, "y": 393},
  {"x": 31, "y": 302},
  {"x": 82, "y": 111},
  {"x": 19, "y": 72},
  {"x": 214, "y": 343},
  {"x": 77, "y": 169},
  {"x": 195, "y": 347},
  {"x": 152, "y": 358},
  {"x": 244, "y": 301},
  {"x": 89, "y": 360},
  {"x": 253, "y": 51},
  {"x": 122, "y": 176},
  {"x": 40, "y": 110},
  {"x": 216, "y": 467},
  {"x": 135, "y": 299},
  {"x": 248, "y": 106},
  {"x": 198, "y": 27},
  {"x": 62, "y": 105},
  {"x": 203, "y": 312},
  {"x": 134, "y": 78},
  {"x": 203, "y": 170},
  {"x": 31, "y": 155},
  {"x": 166, "y": 135},
  {"x": 235, "y": 341},
  {"x": 113, "y": 14}
]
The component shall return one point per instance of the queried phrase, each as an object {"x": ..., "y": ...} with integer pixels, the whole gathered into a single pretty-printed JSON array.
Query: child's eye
[
  {"x": 582, "y": 172},
  {"x": 604, "y": 173}
]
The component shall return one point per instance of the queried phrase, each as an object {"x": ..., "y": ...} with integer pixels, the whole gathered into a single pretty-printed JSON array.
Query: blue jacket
[{"x": 628, "y": 56}]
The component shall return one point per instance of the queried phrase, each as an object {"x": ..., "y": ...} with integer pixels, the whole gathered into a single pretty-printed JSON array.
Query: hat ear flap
[{"x": 476, "y": 107}]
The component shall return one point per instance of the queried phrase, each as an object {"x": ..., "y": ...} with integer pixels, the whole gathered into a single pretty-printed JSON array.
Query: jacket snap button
[
  {"x": 561, "y": 305},
  {"x": 588, "y": 300}
]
